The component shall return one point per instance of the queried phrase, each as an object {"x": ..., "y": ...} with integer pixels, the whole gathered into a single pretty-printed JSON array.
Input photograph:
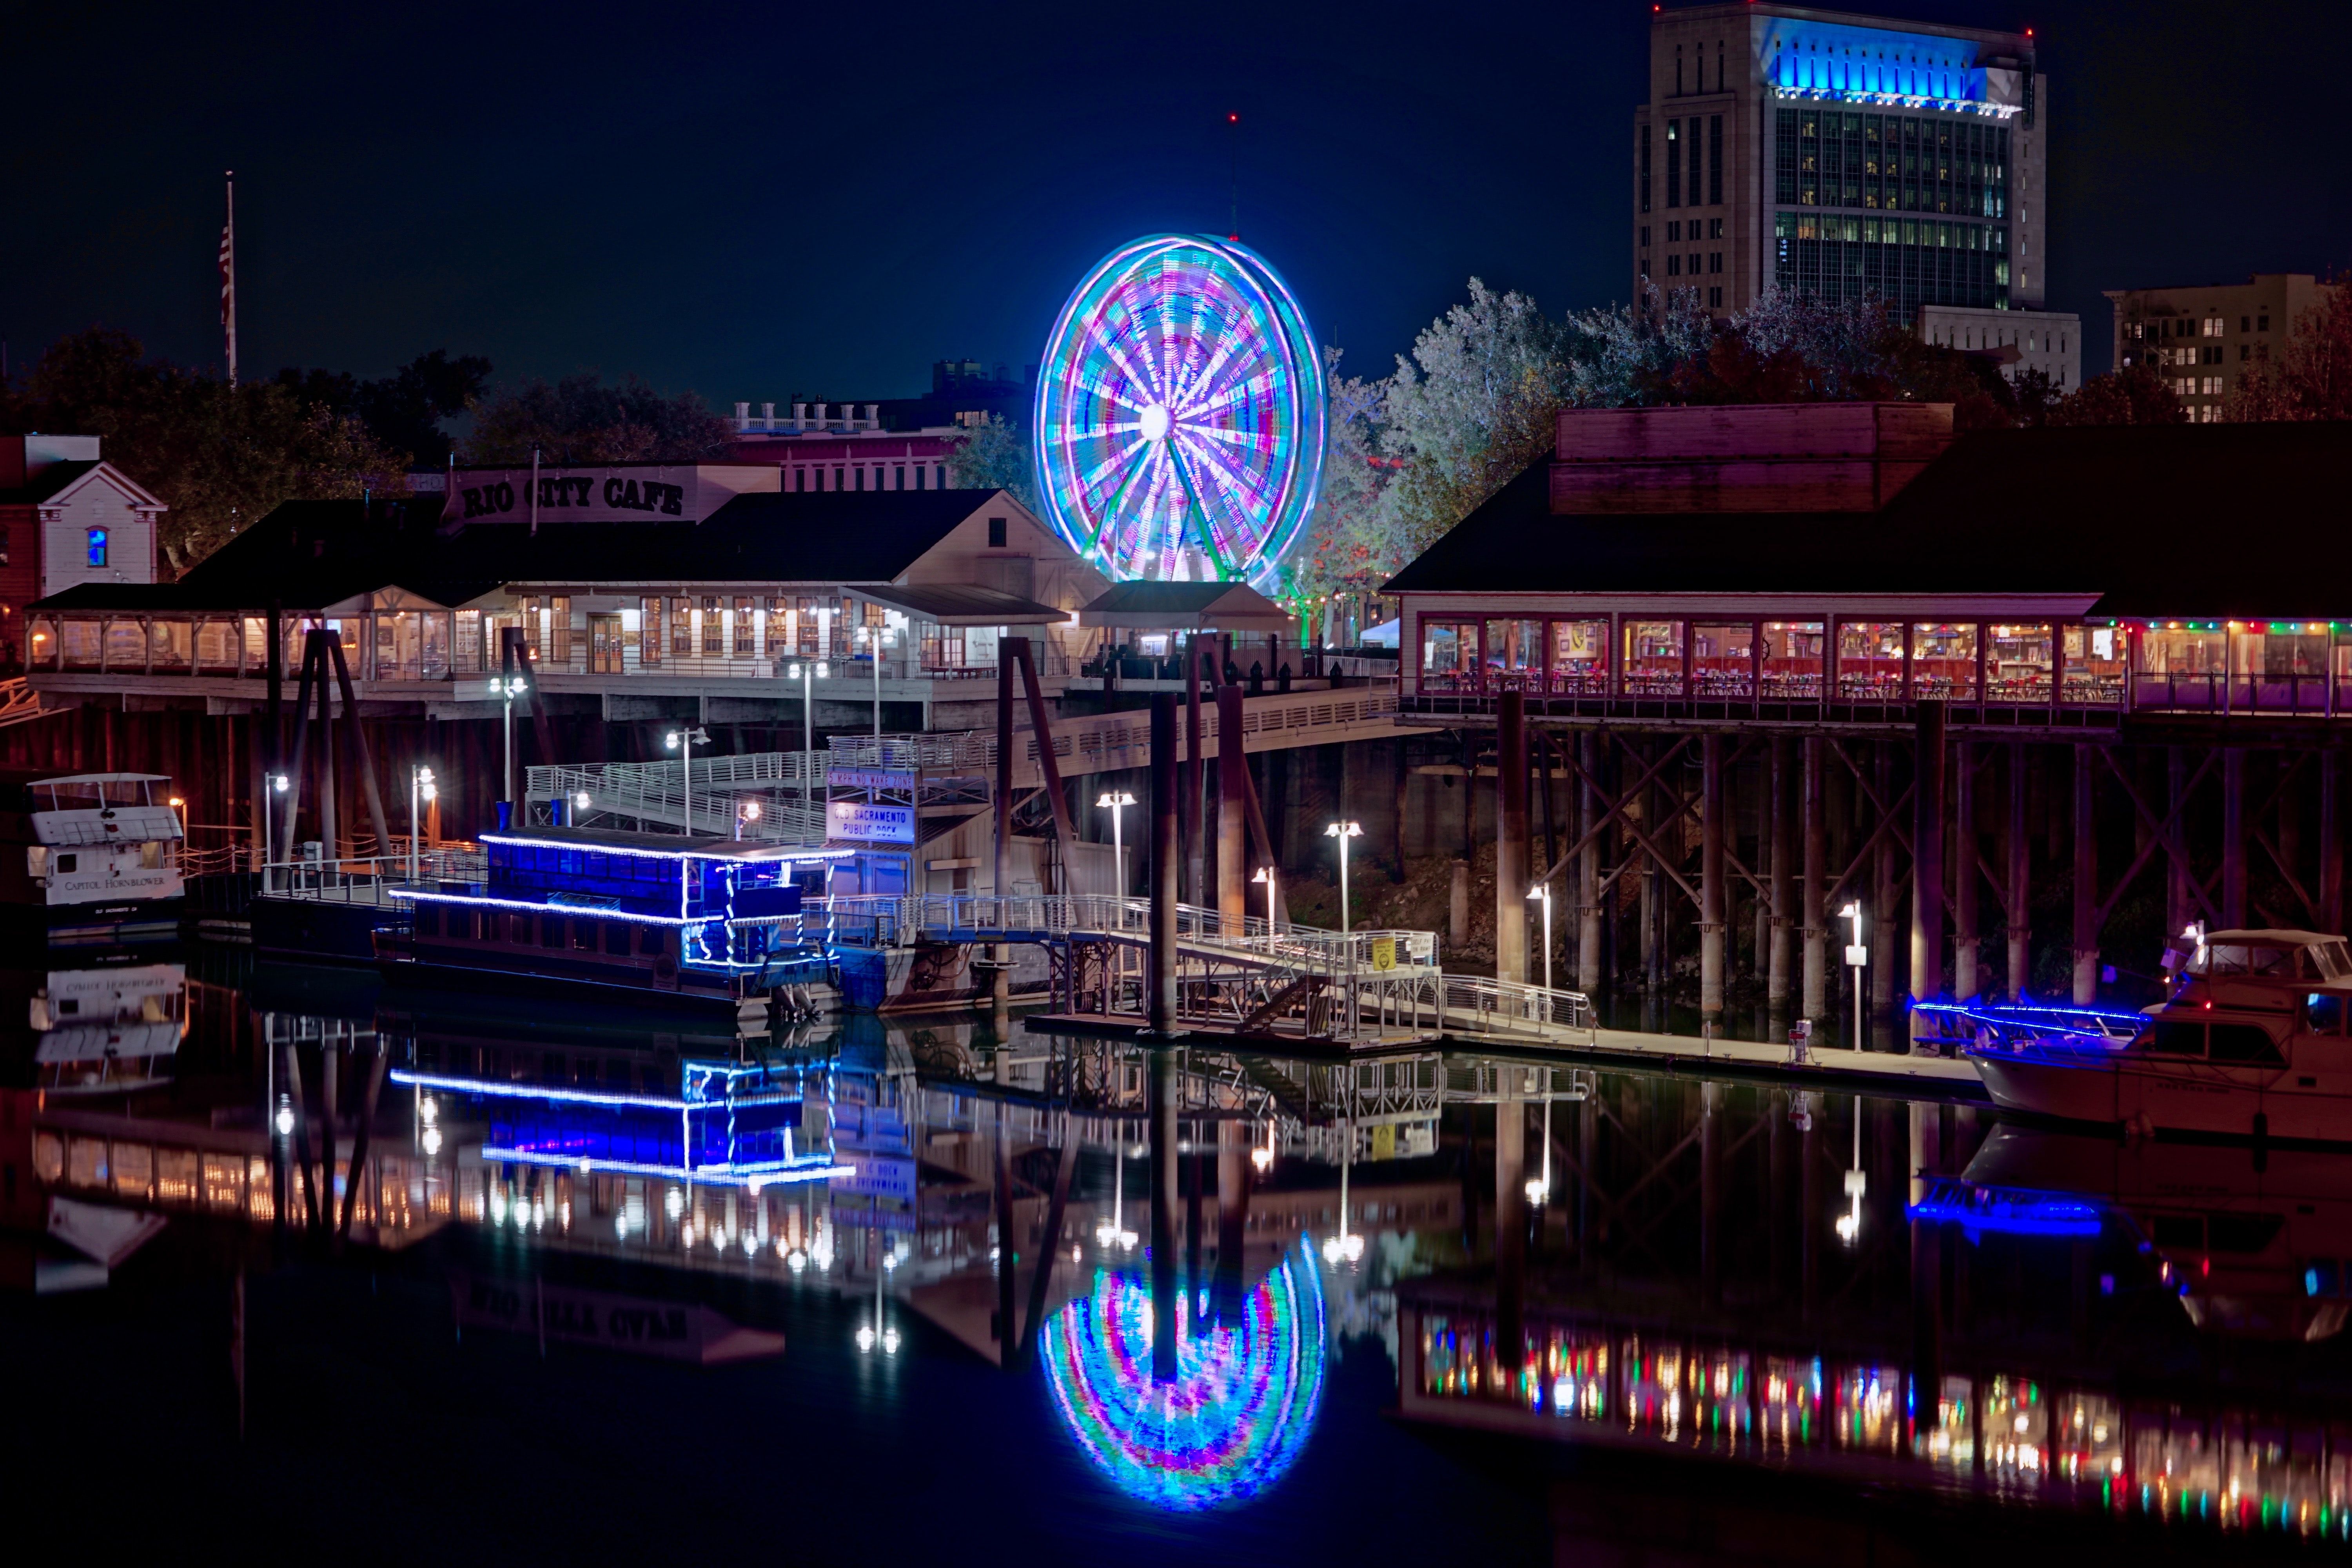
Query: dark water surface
[{"x": 1745, "y": 1316}]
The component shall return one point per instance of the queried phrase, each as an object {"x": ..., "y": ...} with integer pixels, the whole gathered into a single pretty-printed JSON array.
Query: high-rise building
[
  {"x": 2202, "y": 338},
  {"x": 1841, "y": 155}
]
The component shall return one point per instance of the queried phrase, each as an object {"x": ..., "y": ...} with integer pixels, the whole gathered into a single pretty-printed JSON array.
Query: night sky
[{"x": 764, "y": 201}]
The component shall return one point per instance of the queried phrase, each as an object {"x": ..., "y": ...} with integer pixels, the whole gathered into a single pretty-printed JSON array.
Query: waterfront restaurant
[
  {"x": 2056, "y": 577},
  {"x": 707, "y": 583}
]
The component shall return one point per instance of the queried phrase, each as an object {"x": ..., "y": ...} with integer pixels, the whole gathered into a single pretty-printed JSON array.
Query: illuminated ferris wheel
[{"x": 1179, "y": 414}]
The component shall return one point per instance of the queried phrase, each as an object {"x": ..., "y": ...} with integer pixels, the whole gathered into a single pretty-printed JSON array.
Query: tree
[
  {"x": 1474, "y": 405},
  {"x": 219, "y": 457},
  {"x": 2134, "y": 396},
  {"x": 580, "y": 420},
  {"x": 1353, "y": 541},
  {"x": 402, "y": 411},
  {"x": 993, "y": 455},
  {"x": 2312, "y": 377}
]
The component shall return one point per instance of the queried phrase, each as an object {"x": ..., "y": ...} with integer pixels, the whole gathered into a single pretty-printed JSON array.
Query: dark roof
[
  {"x": 311, "y": 553},
  {"x": 970, "y": 601},
  {"x": 1160, "y": 598},
  {"x": 2177, "y": 519},
  {"x": 40, "y": 487}
]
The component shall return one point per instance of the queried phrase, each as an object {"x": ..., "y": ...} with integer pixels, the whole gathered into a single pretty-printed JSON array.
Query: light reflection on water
[{"x": 1687, "y": 1288}]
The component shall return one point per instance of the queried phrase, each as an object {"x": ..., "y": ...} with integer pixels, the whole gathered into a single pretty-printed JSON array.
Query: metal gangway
[
  {"x": 789, "y": 787},
  {"x": 1365, "y": 987}
]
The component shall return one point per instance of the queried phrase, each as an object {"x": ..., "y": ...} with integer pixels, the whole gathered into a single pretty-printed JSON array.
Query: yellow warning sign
[{"x": 1385, "y": 952}]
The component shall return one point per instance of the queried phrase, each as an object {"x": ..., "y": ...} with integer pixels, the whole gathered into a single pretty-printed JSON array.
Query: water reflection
[
  {"x": 1907, "y": 1295},
  {"x": 1239, "y": 1409}
]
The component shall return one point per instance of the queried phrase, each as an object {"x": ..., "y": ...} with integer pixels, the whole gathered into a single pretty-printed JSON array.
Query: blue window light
[{"x": 98, "y": 547}]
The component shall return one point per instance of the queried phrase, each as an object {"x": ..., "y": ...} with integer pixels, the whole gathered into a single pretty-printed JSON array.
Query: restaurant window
[
  {"x": 1514, "y": 652},
  {"x": 1449, "y": 655},
  {"x": 2179, "y": 655},
  {"x": 745, "y": 631},
  {"x": 1653, "y": 659},
  {"x": 681, "y": 626},
  {"x": 2092, "y": 667},
  {"x": 1792, "y": 659},
  {"x": 779, "y": 628},
  {"x": 2018, "y": 663},
  {"x": 714, "y": 629},
  {"x": 649, "y": 635},
  {"x": 1580, "y": 657},
  {"x": 1944, "y": 661},
  {"x": 1723, "y": 660},
  {"x": 1869, "y": 661},
  {"x": 558, "y": 614}
]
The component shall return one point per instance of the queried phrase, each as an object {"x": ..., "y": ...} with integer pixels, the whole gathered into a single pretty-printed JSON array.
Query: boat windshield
[
  {"x": 2335, "y": 960},
  {"x": 2247, "y": 958}
]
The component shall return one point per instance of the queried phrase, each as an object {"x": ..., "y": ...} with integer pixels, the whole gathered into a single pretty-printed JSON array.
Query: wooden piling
[
  {"x": 1233, "y": 815},
  {"x": 1588, "y": 866},
  {"x": 1511, "y": 838},
  {"x": 1927, "y": 851},
  {"x": 2086, "y": 881},
  {"x": 1711, "y": 923},
  {"x": 1815, "y": 917}
]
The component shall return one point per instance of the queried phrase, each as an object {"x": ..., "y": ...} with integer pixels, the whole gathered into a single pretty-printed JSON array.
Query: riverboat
[
  {"x": 656, "y": 917},
  {"x": 2252, "y": 1042},
  {"x": 98, "y": 1027},
  {"x": 91, "y": 858}
]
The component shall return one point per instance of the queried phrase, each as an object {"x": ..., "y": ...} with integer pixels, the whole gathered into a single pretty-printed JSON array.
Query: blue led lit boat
[
  {"x": 2252, "y": 1043},
  {"x": 661, "y": 917}
]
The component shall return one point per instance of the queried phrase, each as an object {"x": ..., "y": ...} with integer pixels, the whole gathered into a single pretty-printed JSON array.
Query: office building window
[
  {"x": 1715, "y": 298},
  {"x": 1674, "y": 162},
  {"x": 1645, "y": 168},
  {"x": 1674, "y": 233},
  {"x": 1674, "y": 265},
  {"x": 1645, "y": 236},
  {"x": 1715, "y": 262},
  {"x": 1714, "y": 148}
]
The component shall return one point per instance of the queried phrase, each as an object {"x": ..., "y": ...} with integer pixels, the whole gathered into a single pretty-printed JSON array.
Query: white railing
[
  {"x": 655, "y": 792},
  {"x": 896, "y": 918},
  {"x": 369, "y": 879},
  {"x": 1477, "y": 1004}
]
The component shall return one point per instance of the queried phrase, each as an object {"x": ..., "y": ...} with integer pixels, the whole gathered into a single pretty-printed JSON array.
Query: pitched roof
[
  {"x": 1211, "y": 605},
  {"x": 55, "y": 478},
  {"x": 2220, "y": 519}
]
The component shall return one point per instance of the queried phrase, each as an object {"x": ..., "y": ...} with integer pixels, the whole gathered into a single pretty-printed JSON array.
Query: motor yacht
[{"x": 2251, "y": 1042}]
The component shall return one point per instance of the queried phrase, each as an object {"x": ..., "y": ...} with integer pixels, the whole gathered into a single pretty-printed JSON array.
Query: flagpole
[{"x": 229, "y": 276}]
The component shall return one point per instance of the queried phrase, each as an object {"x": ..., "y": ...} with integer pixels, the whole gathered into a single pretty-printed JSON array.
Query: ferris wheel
[{"x": 1179, "y": 414}]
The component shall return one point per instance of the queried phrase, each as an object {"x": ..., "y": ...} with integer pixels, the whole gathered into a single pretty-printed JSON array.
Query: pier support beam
[
  {"x": 1588, "y": 867},
  {"x": 1511, "y": 1222},
  {"x": 1881, "y": 926},
  {"x": 1161, "y": 991},
  {"x": 1232, "y": 810},
  {"x": 1710, "y": 1193},
  {"x": 2086, "y": 882},
  {"x": 1815, "y": 926},
  {"x": 2234, "y": 837},
  {"x": 2015, "y": 904},
  {"x": 1927, "y": 853},
  {"x": 1188, "y": 819},
  {"x": 1778, "y": 809},
  {"x": 1511, "y": 838},
  {"x": 2178, "y": 902},
  {"x": 1233, "y": 1215},
  {"x": 1710, "y": 877},
  {"x": 1964, "y": 870}
]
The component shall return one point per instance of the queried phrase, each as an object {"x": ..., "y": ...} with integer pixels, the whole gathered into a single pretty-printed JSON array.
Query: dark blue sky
[{"x": 758, "y": 201}]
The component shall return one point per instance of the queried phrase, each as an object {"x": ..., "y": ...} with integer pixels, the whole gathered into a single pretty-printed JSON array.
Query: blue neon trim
[
  {"x": 532, "y": 1091},
  {"x": 478, "y": 901},
  {"x": 783, "y": 857},
  {"x": 698, "y": 1176},
  {"x": 1992, "y": 1012}
]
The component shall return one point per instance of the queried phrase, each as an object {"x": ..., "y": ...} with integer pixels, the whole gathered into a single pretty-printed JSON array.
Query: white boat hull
[{"x": 2135, "y": 1091}]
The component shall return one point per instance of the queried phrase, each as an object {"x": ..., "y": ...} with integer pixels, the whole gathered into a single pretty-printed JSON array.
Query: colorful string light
[
  {"x": 1237, "y": 1412},
  {"x": 1180, "y": 416}
]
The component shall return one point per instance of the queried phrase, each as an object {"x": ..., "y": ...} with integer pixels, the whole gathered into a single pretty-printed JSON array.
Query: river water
[{"x": 1730, "y": 1314}]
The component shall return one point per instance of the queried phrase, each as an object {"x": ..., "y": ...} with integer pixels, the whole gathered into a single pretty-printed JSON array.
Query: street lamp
[
  {"x": 277, "y": 783},
  {"x": 684, "y": 741},
  {"x": 1265, "y": 875},
  {"x": 1856, "y": 956},
  {"x": 1262, "y": 1156},
  {"x": 1115, "y": 802},
  {"x": 1343, "y": 831},
  {"x": 421, "y": 787},
  {"x": 806, "y": 673},
  {"x": 1541, "y": 894},
  {"x": 506, "y": 688},
  {"x": 751, "y": 813}
]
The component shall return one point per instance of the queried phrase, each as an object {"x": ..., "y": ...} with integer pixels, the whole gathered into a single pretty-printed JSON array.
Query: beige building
[
  {"x": 2048, "y": 341},
  {"x": 1840, "y": 155},
  {"x": 2203, "y": 338}
]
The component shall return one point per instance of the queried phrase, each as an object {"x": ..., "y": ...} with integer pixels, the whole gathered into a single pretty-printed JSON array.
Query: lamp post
[
  {"x": 1344, "y": 831},
  {"x": 1541, "y": 894},
  {"x": 1265, "y": 875},
  {"x": 269, "y": 829},
  {"x": 750, "y": 814},
  {"x": 1856, "y": 956},
  {"x": 805, "y": 672},
  {"x": 421, "y": 787},
  {"x": 1117, "y": 801},
  {"x": 684, "y": 741},
  {"x": 506, "y": 688}
]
